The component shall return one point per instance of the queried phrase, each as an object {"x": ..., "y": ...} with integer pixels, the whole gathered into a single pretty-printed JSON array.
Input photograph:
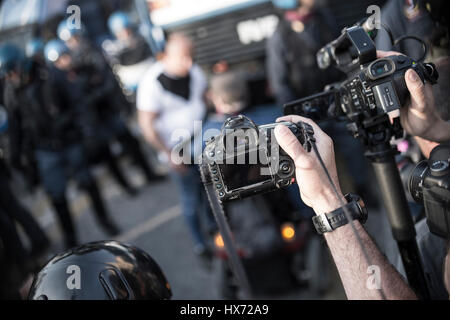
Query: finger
[
  {"x": 416, "y": 89},
  {"x": 382, "y": 54},
  {"x": 289, "y": 143},
  {"x": 295, "y": 119}
]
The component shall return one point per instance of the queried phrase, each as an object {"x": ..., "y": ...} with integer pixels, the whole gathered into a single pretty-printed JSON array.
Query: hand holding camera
[
  {"x": 314, "y": 189},
  {"x": 419, "y": 116}
]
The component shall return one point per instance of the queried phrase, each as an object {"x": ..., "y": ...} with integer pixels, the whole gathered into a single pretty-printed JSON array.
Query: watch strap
[{"x": 327, "y": 222}]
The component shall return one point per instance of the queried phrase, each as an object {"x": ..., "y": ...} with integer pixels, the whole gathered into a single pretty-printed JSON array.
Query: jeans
[
  {"x": 193, "y": 201},
  {"x": 56, "y": 168}
]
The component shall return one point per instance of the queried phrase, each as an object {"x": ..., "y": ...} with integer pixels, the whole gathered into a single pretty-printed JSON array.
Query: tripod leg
[{"x": 401, "y": 221}]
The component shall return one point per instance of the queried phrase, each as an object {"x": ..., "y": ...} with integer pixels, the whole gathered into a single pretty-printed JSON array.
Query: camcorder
[
  {"x": 245, "y": 159},
  {"x": 429, "y": 185},
  {"x": 373, "y": 88}
]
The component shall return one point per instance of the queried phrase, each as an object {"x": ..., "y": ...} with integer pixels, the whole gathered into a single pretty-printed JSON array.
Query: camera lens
[
  {"x": 439, "y": 168},
  {"x": 416, "y": 181}
]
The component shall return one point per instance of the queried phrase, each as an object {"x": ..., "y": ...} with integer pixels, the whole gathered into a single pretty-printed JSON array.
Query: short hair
[{"x": 232, "y": 88}]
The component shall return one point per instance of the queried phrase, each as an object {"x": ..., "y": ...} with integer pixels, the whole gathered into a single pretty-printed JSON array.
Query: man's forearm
[
  {"x": 152, "y": 137},
  {"x": 355, "y": 272},
  {"x": 149, "y": 132}
]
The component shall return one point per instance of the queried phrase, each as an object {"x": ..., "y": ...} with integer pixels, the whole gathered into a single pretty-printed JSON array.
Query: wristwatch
[{"x": 327, "y": 222}]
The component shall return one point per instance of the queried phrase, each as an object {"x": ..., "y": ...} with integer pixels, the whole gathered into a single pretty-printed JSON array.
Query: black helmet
[
  {"x": 106, "y": 270},
  {"x": 11, "y": 59}
]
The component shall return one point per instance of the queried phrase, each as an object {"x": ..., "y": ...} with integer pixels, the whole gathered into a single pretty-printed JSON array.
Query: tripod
[{"x": 376, "y": 133}]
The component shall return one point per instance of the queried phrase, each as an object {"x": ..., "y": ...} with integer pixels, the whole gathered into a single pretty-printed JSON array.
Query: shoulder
[
  {"x": 152, "y": 74},
  {"x": 196, "y": 71},
  {"x": 198, "y": 75}
]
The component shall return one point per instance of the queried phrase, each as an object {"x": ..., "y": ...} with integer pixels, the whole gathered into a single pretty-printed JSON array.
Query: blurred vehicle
[{"x": 21, "y": 19}]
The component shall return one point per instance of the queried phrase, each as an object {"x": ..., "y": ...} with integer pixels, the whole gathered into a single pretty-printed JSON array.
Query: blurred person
[
  {"x": 432, "y": 247},
  {"x": 17, "y": 261},
  {"x": 293, "y": 73},
  {"x": 128, "y": 47},
  {"x": 422, "y": 19},
  {"x": 11, "y": 206},
  {"x": 229, "y": 94},
  {"x": 420, "y": 118},
  {"x": 128, "y": 53},
  {"x": 34, "y": 50},
  {"x": 14, "y": 260},
  {"x": 48, "y": 110},
  {"x": 12, "y": 61},
  {"x": 88, "y": 64},
  {"x": 405, "y": 17},
  {"x": 171, "y": 97},
  {"x": 93, "y": 18},
  {"x": 304, "y": 29},
  {"x": 104, "y": 95},
  {"x": 257, "y": 231}
]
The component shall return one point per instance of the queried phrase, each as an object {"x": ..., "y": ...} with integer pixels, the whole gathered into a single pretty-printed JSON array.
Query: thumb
[
  {"x": 416, "y": 89},
  {"x": 289, "y": 143}
]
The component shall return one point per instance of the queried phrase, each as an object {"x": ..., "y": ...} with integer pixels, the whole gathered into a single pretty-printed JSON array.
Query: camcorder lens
[{"x": 416, "y": 180}]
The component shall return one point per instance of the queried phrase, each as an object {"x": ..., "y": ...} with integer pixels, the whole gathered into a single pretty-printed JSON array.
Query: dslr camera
[
  {"x": 245, "y": 159},
  {"x": 429, "y": 184},
  {"x": 373, "y": 88}
]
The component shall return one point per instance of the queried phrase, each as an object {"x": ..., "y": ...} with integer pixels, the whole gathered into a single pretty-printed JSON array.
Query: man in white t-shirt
[{"x": 170, "y": 100}]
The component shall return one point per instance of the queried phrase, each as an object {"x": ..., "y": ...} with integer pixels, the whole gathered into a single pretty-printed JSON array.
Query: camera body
[
  {"x": 373, "y": 90},
  {"x": 246, "y": 159},
  {"x": 379, "y": 87},
  {"x": 430, "y": 184}
]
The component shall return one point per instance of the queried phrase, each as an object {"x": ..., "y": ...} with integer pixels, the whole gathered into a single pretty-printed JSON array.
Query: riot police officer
[
  {"x": 18, "y": 261},
  {"x": 128, "y": 47},
  {"x": 48, "y": 111},
  {"x": 104, "y": 94}
]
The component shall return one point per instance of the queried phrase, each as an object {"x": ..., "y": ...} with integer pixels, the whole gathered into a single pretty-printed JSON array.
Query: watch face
[
  {"x": 362, "y": 210},
  {"x": 321, "y": 224},
  {"x": 360, "y": 204}
]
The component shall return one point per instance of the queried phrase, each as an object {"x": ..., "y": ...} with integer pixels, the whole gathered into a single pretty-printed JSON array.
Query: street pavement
[{"x": 152, "y": 221}]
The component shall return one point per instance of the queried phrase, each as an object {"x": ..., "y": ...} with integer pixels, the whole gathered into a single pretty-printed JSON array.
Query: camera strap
[{"x": 230, "y": 246}]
